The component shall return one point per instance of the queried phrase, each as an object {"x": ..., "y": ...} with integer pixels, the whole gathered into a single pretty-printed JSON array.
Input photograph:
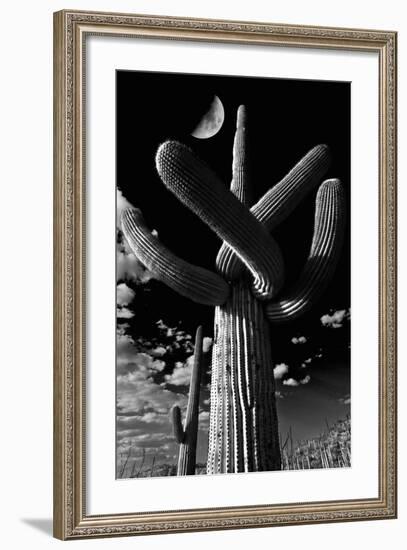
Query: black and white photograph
[{"x": 233, "y": 274}]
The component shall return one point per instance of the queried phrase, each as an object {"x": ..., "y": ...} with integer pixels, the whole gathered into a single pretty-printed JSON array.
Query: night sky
[{"x": 286, "y": 118}]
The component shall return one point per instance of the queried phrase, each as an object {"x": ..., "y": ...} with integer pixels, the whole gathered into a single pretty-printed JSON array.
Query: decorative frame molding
[{"x": 70, "y": 519}]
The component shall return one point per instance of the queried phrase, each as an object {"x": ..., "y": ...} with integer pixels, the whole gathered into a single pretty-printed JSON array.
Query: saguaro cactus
[
  {"x": 243, "y": 433},
  {"x": 187, "y": 436}
]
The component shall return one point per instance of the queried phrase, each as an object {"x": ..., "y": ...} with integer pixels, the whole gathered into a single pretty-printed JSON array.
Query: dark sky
[{"x": 286, "y": 119}]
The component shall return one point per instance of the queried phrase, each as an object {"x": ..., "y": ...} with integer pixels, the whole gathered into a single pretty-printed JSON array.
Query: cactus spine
[
  {"x": 187, "y": 437},
  {"x": 243, "y": 433}
]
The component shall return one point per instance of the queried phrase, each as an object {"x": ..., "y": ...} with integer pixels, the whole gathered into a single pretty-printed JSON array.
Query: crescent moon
[{"x": 211, "y": 122}]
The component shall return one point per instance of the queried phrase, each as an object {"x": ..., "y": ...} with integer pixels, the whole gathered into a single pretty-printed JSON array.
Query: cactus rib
[
  {"x": 324, "y": 254},
  {"x": 193, "y": 282},
  {"x": 198, "y": 187},
  {"x": 279, "y": 202}
]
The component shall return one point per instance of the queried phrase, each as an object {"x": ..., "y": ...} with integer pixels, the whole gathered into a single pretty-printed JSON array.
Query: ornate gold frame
[{"x": 70, "y": 519}]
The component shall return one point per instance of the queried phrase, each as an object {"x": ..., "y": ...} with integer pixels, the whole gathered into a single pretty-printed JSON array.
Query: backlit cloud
[
  {"x": 204, "y": 420},
  {"x": 124, "y": 313},
  {"x": 124, "y": 294},
  {"x": 137, "y": 391},
  {"x": 206, "y": 344},
  {"x": 345, "y": 400},
  {"x": 290, "y": 382},
  {"x": 294, "y": 383},
  {"x": 335, "y": 319},
  {"x": 159, "y": 351},
  {"x": 280, "y": 370},
  {"x": 298, "y": 340},
  {"x": 181, "y": 374}
]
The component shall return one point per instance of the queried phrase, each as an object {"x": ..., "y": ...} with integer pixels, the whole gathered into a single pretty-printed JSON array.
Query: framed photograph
[{"x": 225, "y": 274}]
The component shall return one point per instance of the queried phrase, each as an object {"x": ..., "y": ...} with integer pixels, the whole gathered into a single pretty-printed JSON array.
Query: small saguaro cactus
[
  {"x": 187, "y": 436},
  {"x": 248, "y": 289}
]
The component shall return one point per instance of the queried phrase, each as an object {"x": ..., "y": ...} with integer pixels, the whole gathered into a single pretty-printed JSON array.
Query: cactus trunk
[{"x": 243, "y": 433}]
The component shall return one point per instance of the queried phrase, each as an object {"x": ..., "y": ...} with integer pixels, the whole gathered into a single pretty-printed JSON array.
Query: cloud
[
  {"x": 151, "y": 442},
  {"x": 159, "y": 351},
  {"x": 181, "y": 374},
  {"x": 124, "y": 313},
  {"x": 137, "y": 423},
  {"x": 147, "y": 363},
  {"x": 125, "y": 350},
  {"x": 298, "y": 340},
  {"x": 204, "y": 420},
  {"x": 290, "y": 382},
  {"x": 128, "y": 359},
  {"x": 174, "y": 339},
  {"x": 144, "y": 404},
  {"x": 336, "y": 319},
  {"x": 206, "y": 344},
  {"x": 345, "y": 400},
  {"x": 294, "y": 383},
  {"x": 137, "y": 391},
  {"x": 280, "y": 370},
  {"x": 124, "y": 294},
  {"x": 171, "y": 332}
]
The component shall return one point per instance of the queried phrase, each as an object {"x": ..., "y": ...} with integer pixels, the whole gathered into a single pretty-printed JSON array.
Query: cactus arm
[
  {"x": 196, "y": 283},
  {"x": 195, "y": 185},
  {"x": 240, "y": 185},
  {"x": 323, "y": 257},
  {"x": 195, "y": 383},
  {"x": 278, "y": 203},
  {"x": 177, "y": 427}
]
